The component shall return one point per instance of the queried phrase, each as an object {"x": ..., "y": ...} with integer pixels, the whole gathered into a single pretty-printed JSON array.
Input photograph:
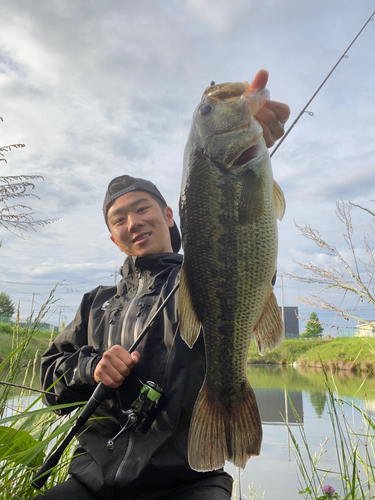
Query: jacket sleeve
[{"x": 69, "y": 362}]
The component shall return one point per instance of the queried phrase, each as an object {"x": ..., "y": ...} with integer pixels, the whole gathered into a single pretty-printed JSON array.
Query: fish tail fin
[
  {"x": 269, "y": 331},
  {"x": 219, "y": 432}
]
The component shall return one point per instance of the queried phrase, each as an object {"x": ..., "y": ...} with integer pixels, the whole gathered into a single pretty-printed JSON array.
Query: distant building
[
  {"x": 43, "y": 327},
  {"x": 291, "y": 322},
  {"x": 363, "y": 329},
  {"x": 348, "y": 333},
  {"x": 366, "y": 329}
]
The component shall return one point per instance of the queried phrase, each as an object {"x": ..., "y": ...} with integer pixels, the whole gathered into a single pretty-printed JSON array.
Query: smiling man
[
  {"x": 139, "y": 221},
  {"x": 147, "y": 461}
]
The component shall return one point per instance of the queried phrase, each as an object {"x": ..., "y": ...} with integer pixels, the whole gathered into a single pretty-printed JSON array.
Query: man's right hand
[{"x": 115, "y": 366}]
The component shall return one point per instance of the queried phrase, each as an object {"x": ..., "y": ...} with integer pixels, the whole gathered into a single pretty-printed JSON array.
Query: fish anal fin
[
  {"x": 190, "y": 325},
  {"x": 219, "y": 432},
  {"x": 279, "y": 200},
  {"x": 269, "y": 331},
  {"x": 251, "y": 201}
]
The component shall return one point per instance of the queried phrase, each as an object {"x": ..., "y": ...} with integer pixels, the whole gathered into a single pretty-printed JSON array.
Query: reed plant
[
  {"x": 28, "y": 430},
  {"x": 353, "y": 476},
  {"x": 238, "y": 494}
]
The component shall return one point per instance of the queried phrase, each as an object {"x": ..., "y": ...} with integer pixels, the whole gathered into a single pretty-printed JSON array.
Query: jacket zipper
[
  {"x": 124, "y": 323},
  {"x": 130, "y": 446}
]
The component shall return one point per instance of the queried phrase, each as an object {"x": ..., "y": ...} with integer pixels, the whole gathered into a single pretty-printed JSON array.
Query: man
[{"x": 147, "y": 461}]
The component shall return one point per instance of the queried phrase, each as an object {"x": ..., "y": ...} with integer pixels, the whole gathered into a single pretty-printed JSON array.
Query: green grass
[
  {"x": 286, "y": 354},
  {"x": 37, "y": 345},
  {"x": 356, "y": 354}
]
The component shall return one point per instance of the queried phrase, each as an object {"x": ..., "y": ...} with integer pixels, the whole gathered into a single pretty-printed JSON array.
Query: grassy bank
[
  {"x": 38, "y": 344},
  {"x": 355, "y": 354}
]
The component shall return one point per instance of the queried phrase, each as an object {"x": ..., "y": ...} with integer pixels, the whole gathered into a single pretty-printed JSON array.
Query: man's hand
[
  {"x": 273, "y": 115},
  {"x": 114, "y": 366}
]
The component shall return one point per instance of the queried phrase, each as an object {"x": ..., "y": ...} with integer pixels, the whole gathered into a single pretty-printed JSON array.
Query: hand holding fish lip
[{"x": 273, "y": 116}]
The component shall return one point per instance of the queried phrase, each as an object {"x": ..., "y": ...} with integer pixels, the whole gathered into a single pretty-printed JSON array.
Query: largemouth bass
[{"x": 228, "y": 208}]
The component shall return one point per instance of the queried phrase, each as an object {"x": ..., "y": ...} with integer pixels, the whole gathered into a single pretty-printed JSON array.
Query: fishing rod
[
  {"x": 92, "y": 404},
  {"x": 2, "y": 382},
  {"x": 329, "y": 74}
]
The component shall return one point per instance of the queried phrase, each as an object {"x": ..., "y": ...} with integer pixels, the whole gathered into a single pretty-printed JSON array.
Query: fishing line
[
  {"x": 344, "y": 56},
  {"x": 343, "y": 102}
]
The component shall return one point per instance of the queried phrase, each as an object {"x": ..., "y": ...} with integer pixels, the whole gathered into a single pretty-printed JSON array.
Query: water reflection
[
  {"x": 274, "y": 405},
  {"x": 275, "y": 470},
  {"x": 318, "y": 401}
]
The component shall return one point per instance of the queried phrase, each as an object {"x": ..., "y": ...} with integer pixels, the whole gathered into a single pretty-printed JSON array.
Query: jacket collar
[
  {"x": 154, "y": 262},
  {"x": 154, "y": 265}
]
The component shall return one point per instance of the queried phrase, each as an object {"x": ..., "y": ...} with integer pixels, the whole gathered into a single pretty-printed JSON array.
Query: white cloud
[
  {"x": 98, "y": 89},
  {"x": 221, "y": 14}
]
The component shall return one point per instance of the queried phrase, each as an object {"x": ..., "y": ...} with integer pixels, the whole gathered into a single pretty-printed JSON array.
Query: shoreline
[{"x": 353, "y": 354}]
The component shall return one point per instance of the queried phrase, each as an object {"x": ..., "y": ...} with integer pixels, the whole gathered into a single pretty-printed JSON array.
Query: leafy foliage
[
  {"x": 7, "y": 307},
  {"x": 313, "y": 327}
]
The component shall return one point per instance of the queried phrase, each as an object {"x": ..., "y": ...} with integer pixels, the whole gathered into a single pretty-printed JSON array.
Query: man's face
[{"x": 138, "y": 224}]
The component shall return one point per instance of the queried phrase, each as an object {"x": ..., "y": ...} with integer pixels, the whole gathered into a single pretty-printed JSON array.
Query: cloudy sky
[{"x": 96, "y": 89}]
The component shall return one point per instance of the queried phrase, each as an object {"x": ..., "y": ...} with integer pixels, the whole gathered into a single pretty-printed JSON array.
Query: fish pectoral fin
[
  {"x": 269, "y": 331},
  {"x": 279, "y": 200},
  {"x": 190, "y": 325},
  {"x": 251, "y": 202}
]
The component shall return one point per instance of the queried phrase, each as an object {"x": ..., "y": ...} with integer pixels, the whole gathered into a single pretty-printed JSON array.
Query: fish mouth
[{"x": 246, "y": 156}]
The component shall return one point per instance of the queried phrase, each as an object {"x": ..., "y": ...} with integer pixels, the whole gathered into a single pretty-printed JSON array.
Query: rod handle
[{"x": 40, "y": 478}]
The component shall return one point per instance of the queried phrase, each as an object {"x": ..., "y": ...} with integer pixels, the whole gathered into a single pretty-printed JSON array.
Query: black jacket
[{"x": 141, "y": 461}]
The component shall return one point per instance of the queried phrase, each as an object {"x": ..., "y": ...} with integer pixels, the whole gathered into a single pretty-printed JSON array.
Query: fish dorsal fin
[
  {"x": 279, "y": 200},
  {"x": 251, "y": 203},
  {"x": 269, "y": 331},
  {"x": 190, "y": 325}
]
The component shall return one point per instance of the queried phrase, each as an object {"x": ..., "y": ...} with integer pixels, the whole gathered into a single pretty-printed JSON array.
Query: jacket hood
[{"x": 152, "y": 262}]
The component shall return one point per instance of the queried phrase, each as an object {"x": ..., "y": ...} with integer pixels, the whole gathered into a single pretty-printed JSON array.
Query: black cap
[{"x": 125, "y": 184}]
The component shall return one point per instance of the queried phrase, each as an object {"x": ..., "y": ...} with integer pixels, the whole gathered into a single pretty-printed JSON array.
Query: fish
[{"x": 228, "y": 207}]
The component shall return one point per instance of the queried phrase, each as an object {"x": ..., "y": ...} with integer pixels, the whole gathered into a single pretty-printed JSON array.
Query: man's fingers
[
  {"x": 260, "y": 80},
  {"x": 109, "y": 375},
  {"x": 115, "y": 366},
  {"x": 272, "y": 117},
  {"x": 281, "y": 110}
]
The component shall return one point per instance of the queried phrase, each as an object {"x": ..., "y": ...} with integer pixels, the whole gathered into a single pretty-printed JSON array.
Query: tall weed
[
  {"x": 354, "y": 474},
  {"x": 28, "y": 430}
]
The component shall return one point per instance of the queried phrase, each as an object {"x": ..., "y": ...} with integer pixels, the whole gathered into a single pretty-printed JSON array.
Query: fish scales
[{"x": 230, "y": 249}]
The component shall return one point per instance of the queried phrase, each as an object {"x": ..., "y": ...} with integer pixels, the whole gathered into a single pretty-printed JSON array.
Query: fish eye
[{"x": 205, "y": 109}]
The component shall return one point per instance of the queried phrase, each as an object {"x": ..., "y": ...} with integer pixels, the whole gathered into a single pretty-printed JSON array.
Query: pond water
[{"x": 275, "y": 471}]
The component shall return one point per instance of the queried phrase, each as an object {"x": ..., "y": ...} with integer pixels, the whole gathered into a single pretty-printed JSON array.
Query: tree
[
  {"x": 7, "y": 307},
  {"x": 313, "y": 327},
  {"x": 16, "y": 216},
  {"x": 347, "y": 272}
]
